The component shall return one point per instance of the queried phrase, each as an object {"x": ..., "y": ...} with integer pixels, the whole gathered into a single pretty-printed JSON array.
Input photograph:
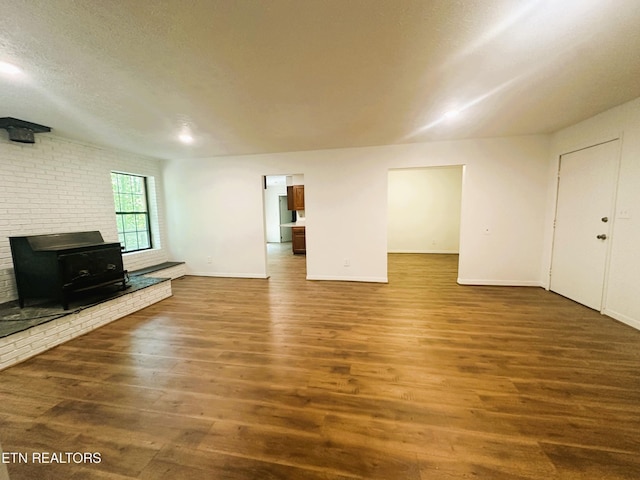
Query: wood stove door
[{"x": 90, "y": 268}]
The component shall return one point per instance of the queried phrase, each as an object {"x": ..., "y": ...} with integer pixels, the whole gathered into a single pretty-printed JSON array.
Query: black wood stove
[{"x": 57, "y": 266}]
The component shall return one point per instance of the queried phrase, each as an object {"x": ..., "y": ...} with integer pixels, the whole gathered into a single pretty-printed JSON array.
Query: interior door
[{"x": 584, "y": 215}]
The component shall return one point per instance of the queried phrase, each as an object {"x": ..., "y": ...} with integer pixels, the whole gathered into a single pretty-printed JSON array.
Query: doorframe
[
  {"x": 614, "y": 200},
  {"x": 463, "y": 172},
  {"x": 264, "y": 217}
]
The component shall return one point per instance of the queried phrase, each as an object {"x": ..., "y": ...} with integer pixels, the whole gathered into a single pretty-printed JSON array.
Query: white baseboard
[
  {"x": 446, "y": 252},
  {"x": 632, "y": 322},
  {"x": 228, "y": 275},
  {"x": 349, "y": 279},
  {"x": 500, "y": 283}
]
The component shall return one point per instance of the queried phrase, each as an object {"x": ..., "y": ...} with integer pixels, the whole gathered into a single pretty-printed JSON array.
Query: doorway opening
[
  {"x": 283, "y": 222},
  {"x": 424, "y": 216}
]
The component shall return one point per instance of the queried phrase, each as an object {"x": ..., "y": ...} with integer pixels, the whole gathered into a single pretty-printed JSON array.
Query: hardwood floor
[{"x": 418, "y": 379}]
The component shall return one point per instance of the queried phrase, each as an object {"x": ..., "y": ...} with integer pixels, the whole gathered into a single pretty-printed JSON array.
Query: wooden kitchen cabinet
[
  {"x": 298, "y": 240},
  {"x": 295, "y": 197}
]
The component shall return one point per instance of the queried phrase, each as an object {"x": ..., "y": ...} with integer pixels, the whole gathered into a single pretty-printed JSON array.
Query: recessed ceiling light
[
  {"x": 9, "y": 68},
  {"x": 186, "y": 138}
]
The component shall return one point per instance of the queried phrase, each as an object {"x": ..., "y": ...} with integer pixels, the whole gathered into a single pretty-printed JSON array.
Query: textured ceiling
[{"x": 258, "y": 76}]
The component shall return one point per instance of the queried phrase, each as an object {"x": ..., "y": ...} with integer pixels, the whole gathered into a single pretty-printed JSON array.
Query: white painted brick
[
  {"x": 6, "y": 346},
  {"x": 22, "y": 342},
  {"x": 41, "y": 345},
  {"x": 36, "y": 336},
  {"x": 19, "y": 338},
  {"x": 20, "y": 352}
]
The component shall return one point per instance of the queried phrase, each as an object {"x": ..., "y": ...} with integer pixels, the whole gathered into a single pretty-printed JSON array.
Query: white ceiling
[{"x": 254, "y": 76}]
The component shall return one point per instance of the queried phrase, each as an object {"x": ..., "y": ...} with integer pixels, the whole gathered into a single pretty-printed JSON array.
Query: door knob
[
  {"x": 602, "y": 236},
  {"x": 605, "y": 219}
]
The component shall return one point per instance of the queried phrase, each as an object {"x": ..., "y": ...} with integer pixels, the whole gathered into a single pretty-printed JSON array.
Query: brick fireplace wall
[{"x": 58, "y": 185}]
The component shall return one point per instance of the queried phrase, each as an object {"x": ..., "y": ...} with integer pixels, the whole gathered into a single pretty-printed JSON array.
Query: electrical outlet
[
  {"x": 347, "y": 262},
  {"x": 624, "y": 213},
  {"x": 209, "y": 260}
]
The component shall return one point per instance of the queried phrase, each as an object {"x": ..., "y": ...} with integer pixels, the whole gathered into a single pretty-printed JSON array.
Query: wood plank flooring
[{"x": 418, "y": 379}]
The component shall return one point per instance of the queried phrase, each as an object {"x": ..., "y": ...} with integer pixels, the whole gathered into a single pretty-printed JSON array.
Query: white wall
[
  {"x": 216, "y": 209},
  {"x": 57, "y": 185},
  {"x": 295, "y": 179},
  {"x": 424, "y": 210},
  {"x": 623, "y": 279}
]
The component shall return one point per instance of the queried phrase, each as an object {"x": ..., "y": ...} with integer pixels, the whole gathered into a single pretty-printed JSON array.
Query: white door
[{"x": 584, "y": 215}]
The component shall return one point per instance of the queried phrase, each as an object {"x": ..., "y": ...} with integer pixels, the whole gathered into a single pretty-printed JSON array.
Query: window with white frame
[{"x": 132, "y": 211}]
